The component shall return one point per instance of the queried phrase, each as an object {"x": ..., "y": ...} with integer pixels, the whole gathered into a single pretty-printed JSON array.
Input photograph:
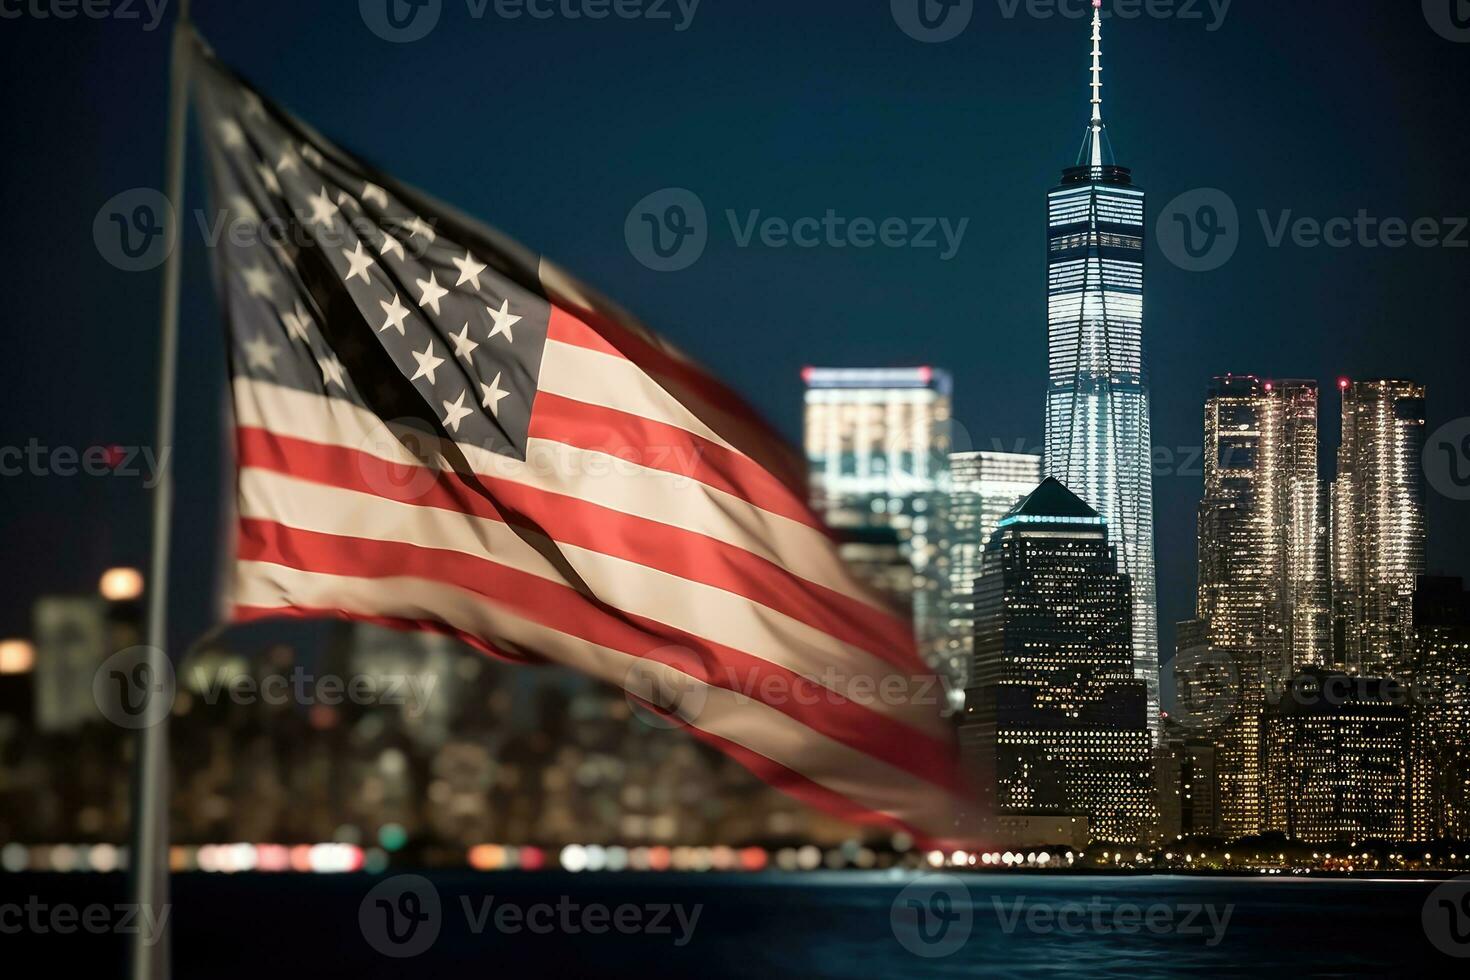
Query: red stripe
[
  {"x": 550, "y": 604},
  {"x": 689, "y": 555},
  {"x": 714, "y": 404},
  {"x": 669, "y": 448}
]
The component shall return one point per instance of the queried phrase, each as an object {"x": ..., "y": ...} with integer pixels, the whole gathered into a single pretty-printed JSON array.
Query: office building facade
[{"x": 1055, "y": 720}]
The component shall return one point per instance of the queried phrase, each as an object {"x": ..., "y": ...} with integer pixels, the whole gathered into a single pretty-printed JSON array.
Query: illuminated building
[
  {"x": 1188, "y": 791},
  {"x": 1301, "y": 523},
  {"x": 984, "y": 486},
  {"x": 1337, "y": 751},
  {"x": 1263, "y": 562},
  {"x": 1055, "y": 720},
  {"x": 1441, "y": 710},
  {"x": 1097, "y": 401},
  {"x": 1378, "y": 523},
  {"x": 877, "y": 441}
]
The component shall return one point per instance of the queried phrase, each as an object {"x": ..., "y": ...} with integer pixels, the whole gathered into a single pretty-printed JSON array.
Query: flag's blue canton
[{"x": 338, "y": 284}]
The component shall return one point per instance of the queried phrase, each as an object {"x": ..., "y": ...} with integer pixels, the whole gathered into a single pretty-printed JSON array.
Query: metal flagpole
[{"x": 149, "y": 852}]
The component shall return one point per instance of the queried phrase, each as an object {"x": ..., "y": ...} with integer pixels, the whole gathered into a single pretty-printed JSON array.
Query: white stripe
[
  {"x": 867, "y": 781},
  {"x": 598, "y": 378},
  {"x": 692, "y": 607},
  {"x": 618, "y": 484}
]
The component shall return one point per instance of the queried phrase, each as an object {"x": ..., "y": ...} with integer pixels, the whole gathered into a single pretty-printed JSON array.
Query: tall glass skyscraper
[
  {"x": 1263, "y": 568},
  {"x": 877, "y": 443},
  {"x": 1378, "y": 523},
  {"x": 1097, "y": 402}
]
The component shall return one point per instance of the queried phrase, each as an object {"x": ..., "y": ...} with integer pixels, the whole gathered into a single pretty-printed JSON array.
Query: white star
[
  {"x": 372, "y": 192},
  {"x": 323, "y": 211},
  {"x": 253, "y": 105},
  {"x": 456, "y": 410},
  {"x": 289, "y": 163},
  {"x": 504, "y": 320},
  {"x": 397, "y": 313},
  {"x": 311, "y": 155},
  {"x": 463, "y": 345},
  {"x": 261, "y": 353},
  {"x": 359, "y": 262},
  {"x": 346, "y": 200},
  {"x": 331, "y": 371},
  {"x": 469, "y": 270},
  {"x": 258, "y": 281},
  {"x": 231, "y": 134},
  {"x": 493, "y": 394},
  {"x": 296, "y": 322},
  {"x": 417, "y": 227},
  {"x": 391, "y": 244},
  {"x": 427, "y": 363},
  {"x": 432, "y": 292},
  {"x": 268, "y": 177}
]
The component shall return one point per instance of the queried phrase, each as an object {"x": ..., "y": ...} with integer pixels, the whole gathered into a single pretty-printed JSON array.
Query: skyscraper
[
  {"x": 1263, "y": 581},
  {"x": 1378, "y": 523},
  {"x": 1263, "y": 543},
  {"x": 877, "y": 443},
  {"x": 984, "y": 486},
  {"x": 1440, "y": 711},
  {"x": 1055, "y": 721},
  {"x": 1302, "y": 523},
  {"x": 1097, "y": 402}
]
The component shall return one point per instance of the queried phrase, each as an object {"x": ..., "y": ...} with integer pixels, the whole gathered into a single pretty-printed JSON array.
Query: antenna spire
[{"x": 1096, "y": 134}]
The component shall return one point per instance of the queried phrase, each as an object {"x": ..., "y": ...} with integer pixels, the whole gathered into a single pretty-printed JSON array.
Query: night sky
[{"x": 553, "y": 130}]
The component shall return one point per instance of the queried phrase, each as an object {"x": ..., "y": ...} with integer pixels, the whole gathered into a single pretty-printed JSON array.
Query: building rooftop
[{"x": 1052, "y": 500}]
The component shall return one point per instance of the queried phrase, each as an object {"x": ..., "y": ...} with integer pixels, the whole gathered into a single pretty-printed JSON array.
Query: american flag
[{"x": 438, "y": 429}]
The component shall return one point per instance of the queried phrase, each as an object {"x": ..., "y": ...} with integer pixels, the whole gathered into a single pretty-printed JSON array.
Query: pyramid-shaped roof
[{"x": 1052, "y": 499}]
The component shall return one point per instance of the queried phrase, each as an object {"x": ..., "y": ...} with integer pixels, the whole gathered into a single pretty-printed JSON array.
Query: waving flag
[{"x": 438, "y": 429}]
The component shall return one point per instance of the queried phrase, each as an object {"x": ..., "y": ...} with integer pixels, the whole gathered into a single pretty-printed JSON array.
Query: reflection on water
[{"x": 769, "y": 925}]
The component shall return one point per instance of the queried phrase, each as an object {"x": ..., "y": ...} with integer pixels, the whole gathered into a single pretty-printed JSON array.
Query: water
[{"x": 771, "y": 925}]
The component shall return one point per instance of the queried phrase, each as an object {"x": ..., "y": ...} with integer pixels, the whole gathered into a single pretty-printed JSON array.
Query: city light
[
  {"x": 121, "y": 584},
  {"x": 17, "y": 656}
]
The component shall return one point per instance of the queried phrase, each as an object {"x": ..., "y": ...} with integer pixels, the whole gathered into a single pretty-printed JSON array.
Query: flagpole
[{"x": 149, "y": 850}]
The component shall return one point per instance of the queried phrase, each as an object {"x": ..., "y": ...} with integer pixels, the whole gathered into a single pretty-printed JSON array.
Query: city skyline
[
  {"x": 1278, "y": 311},
  {"x": 581, "y": 485}
]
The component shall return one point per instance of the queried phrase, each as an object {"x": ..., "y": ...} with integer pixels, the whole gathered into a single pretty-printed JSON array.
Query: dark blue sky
[{"x": 552, "y": 130}]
